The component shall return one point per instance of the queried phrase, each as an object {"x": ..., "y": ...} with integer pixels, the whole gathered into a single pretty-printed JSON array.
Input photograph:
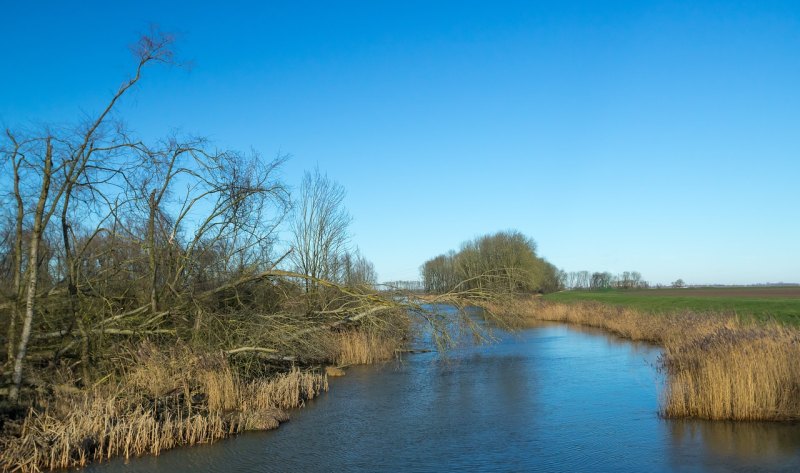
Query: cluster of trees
[
  {"x": 103, "y": 236},
  {"x": 505, "y": 261},
  {"x": 602, "y": 280}
]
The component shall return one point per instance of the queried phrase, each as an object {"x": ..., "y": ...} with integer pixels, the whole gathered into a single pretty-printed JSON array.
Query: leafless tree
[
  {"x": 15, "y": 159},
  {"x": 60, "y": 164},
  {"x": 319, "y": 228},
  {"x": 357, "y": 271},
  {"x": 173, "y": 240}
]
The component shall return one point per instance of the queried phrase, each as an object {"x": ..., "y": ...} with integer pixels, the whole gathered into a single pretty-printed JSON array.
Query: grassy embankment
[{"x": 718, "y": 365}]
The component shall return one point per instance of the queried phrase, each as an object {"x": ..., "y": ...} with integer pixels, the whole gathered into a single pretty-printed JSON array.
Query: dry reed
[
  {"x": 358, "y": 347},
  {"x": 163, "y": 397},
  {"x": 167, "y": 398},
  {"x": 717, "y": 367},
  {"x": 739, "y": 373}
]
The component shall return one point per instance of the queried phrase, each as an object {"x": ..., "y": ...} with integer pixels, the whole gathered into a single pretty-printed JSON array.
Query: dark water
[{"x": 553, "y": 398}]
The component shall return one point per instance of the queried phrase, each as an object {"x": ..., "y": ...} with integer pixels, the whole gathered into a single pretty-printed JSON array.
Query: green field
[{"x": 780, "y": 303}]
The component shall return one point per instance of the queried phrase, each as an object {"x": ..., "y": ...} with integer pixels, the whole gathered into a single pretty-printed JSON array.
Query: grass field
[{"x": 779, "y": 303}]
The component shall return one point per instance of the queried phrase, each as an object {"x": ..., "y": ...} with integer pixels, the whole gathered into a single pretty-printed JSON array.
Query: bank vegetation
[{"x": 717, "y": 366}]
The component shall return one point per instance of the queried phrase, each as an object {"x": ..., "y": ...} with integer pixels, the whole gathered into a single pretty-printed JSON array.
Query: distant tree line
[
  {"x": 602, "y": 280},
  {"x": 504, "y": 261},
  {"x": 404, "y": 285}
]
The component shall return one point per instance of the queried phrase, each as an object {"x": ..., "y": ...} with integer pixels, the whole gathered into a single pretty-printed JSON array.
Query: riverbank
[
  {"x": 168, "y": 395},
  {"x": 717, "y": 366},
  {"x": 226, "y": 373},
  {"x": 161, "y": 395}
]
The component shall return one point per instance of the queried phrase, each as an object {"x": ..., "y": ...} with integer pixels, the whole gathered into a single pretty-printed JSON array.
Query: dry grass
[
  {"x": 716, "y": 366},
  {"x": 166, "y": 399},
  {"x": 162, "y": 396},
  {"x": 380, "y": 340},
  {"x": 741, "y": 373},
  {"x": 359, "y": 347},
  {"x": 628, "y": 323}
]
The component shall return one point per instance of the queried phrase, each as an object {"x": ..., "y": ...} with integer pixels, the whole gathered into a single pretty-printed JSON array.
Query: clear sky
[{"x": 662, "y": 137}]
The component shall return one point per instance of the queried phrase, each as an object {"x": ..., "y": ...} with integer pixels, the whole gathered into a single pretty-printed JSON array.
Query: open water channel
[{"x": 549, "y": 398}]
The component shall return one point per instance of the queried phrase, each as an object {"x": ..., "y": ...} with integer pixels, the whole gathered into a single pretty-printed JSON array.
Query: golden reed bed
[
  {"x": 717, "y": 367},
  {"x": 170, "y": 397}
]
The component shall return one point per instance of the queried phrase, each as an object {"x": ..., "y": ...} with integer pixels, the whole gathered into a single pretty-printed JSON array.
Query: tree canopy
[{"x": 504, "y": 261}]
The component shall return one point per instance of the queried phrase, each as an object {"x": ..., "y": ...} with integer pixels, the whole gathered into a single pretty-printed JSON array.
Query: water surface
[{"x": 552, "y": 398}]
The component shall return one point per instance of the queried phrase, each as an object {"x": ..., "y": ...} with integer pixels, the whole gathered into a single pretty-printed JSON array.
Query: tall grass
[
  {"x": 359, "y": 347},
  {"x": 164, "y": 397},
  {"x": 740, "y": 373},
  {"x": 167, "y": 398},
  {"x": 717, "y": 367},
  {"x": 373, "y": 342}
]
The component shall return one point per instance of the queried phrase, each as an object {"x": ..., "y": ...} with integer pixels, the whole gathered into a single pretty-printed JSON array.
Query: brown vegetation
[
  {"x": 165, "y": 399},
  {"x": 739, "y": 373},
  {"x": 144, "y": 302},
  {"x": 360, "y": 347},
  {"x": 717, "y": 367}
]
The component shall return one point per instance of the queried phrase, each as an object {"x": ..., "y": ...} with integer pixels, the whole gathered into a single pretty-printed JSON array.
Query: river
[{"x": 549, "y": 398}]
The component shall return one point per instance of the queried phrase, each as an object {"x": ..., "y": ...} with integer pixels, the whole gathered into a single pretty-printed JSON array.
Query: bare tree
[
  {"x": 357, "y": 271},
  {"x": 15, "y": 159},
  {"x": 319, "y": 228},
  {"x": 69, "y": 162},
  {"x": 39, "y": 223},
  {"x": 583, "y": 279}
]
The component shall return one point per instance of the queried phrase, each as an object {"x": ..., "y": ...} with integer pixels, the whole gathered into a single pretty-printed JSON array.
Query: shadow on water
[{"x": 550, "y": 398}]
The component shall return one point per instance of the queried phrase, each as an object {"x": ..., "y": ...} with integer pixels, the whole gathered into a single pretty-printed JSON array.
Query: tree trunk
[
  {"x": 72, "y": 287},
  {"x": 33, "y": 275},
  {"x": 12, "y": 325},
  {"x": 151, "y": 243}
]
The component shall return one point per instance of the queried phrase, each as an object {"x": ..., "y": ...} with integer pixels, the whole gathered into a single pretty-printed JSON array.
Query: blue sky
[{"x": 658, "y": 137}]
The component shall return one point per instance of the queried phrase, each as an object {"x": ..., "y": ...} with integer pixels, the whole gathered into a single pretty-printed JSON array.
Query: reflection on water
[
  {"x": 552, "y": 398},
  {"x": 767, "y": 445}
]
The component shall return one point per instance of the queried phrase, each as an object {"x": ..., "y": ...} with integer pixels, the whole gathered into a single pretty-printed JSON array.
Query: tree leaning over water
[{"x": 115, "y": 250}]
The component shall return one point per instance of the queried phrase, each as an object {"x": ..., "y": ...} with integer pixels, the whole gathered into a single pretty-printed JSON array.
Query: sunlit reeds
[
  {"x": 717, "y": 366},
  {"x": 740, "y": 373},
  {"x": 358, "y": 347},
  {"x": 167, "y": 398},
  {"x": 162, "y": 396}
]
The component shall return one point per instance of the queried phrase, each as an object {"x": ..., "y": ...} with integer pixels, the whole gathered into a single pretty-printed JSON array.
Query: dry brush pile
[{"x": 717, "y": 366}]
